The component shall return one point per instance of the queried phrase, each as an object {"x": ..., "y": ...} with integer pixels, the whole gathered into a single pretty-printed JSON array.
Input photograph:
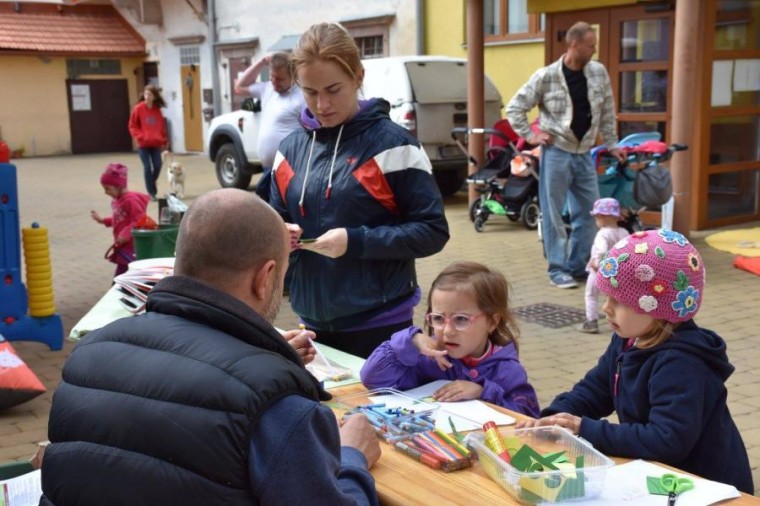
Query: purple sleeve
[
  {"x": 512, "y": 391},
  {"x": 397, "y": 363}
]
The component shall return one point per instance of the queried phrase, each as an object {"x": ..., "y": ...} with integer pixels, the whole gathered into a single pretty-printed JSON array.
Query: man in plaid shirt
[{"x": 575, "y": 104}]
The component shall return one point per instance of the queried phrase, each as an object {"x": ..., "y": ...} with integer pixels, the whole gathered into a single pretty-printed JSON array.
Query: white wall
[{"x": 241, "y": 20}]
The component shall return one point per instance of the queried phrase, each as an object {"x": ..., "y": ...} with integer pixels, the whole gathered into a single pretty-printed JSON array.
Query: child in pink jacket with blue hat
[
  {"x": 664, "y": 376},
  {"x": 607, "y": 213}
]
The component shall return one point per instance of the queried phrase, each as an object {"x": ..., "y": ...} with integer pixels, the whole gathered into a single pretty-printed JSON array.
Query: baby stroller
[
  {"x": 618, "y": 180},
  {"x": 503, "y": 191}
]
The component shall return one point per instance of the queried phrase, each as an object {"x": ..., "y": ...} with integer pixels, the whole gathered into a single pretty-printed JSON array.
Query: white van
[{"x": 428, "y": 95}]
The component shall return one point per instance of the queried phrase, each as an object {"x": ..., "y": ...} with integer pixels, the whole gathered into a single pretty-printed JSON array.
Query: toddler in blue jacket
[
  {"x": 470, "y": 339},
  {"x": 662, "y": 374}
]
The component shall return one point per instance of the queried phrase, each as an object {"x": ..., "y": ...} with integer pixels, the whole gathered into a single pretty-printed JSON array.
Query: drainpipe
[
  {"x": 475, "y": 71},
  {"x": 419, "y": 14},
  {"x": 217, "y": 97}
]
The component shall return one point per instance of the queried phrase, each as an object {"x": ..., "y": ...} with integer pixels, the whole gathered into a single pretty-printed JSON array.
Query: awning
[{"x": 286, "y": 43}]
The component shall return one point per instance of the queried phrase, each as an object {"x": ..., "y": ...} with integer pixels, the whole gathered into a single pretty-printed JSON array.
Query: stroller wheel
[
  {"x": 530, "y": 214},
  {"x": 513, "y": 217},
  {"x": 475, "y": 207},
  {"x": 480, "y": 223}
]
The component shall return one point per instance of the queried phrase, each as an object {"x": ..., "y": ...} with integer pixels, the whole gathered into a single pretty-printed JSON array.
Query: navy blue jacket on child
[{"x": 671, "y": 403}]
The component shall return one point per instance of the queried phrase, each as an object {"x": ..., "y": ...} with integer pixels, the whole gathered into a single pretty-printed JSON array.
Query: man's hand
[
  {"x": 618, "y": 154},
  {"x": 299, "y": 340},
  {"x": 356, "y": 432},
  {"x": 540, "y": 139}
]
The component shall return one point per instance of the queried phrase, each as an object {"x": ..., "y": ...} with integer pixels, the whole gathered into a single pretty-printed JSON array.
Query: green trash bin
[{"x": 155, "y": 243}]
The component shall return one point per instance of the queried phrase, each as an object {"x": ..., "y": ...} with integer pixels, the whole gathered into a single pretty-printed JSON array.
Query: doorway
[
  {"x": 98, "y": 115},
  {"x": 191, "y": 111},
  {"x": 635, "y": 46}
]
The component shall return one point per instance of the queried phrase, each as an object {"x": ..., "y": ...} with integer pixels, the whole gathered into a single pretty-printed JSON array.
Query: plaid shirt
[{"x": 548, "y": 90}]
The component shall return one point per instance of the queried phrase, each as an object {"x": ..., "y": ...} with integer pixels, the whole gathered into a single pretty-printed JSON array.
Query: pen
[{"x": 319, "y": 353}]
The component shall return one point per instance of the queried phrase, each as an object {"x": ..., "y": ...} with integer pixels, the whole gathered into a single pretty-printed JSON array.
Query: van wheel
[
  {"x": 475, "y": 207},
  {"x": 449, "y": 181},
  {"x": 229, "y": 170},
  {"x": 529, "y": 214}
]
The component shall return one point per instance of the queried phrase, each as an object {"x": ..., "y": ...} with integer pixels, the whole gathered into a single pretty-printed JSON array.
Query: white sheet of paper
[
  {"x": 723, "y": 72},
  {"x": 466, "y": 415},
  {"x": 747, "y": 75},
  {"x": 627, "y": 484}
]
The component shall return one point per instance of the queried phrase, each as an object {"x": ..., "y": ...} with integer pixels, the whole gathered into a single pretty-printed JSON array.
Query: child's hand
[
  {"x": 430, "y": 348},
  {"x": 459, "y": 390},
  {"x": 566, "y": 420},
  {"x": 95, "y": 216}
]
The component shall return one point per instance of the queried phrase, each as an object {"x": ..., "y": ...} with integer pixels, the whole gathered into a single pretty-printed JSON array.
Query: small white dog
[{"x": 175, "y": 174}]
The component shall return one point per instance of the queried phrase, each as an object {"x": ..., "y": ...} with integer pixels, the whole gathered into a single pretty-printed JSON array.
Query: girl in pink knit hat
[
  {"x": 127, "y": 208},
  {"x": 662, "y": 374}
]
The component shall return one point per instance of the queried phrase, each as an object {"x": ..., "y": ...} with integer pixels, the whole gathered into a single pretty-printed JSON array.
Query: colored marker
[
  {"x": 417, "y": 455},
  {"x": 454, "y": 443}
]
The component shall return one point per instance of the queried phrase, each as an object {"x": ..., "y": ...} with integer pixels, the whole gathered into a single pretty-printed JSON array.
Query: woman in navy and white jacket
[{"x": 362, "y": 187}]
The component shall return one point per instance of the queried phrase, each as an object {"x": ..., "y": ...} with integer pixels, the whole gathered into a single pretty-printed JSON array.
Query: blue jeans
[
  {"x": 263, "y": 187},
  {"x": 148, "y": 157},
  {"x": 567, "y": 178}
]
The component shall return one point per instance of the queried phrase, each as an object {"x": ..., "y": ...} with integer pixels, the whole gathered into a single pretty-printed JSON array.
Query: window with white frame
[{"x": 190, "y": 55}]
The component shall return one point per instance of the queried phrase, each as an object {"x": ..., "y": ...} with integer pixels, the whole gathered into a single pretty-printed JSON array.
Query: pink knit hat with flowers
[
  {"x": 115, "y": 175},
  {"x": 656, "y": 272}
]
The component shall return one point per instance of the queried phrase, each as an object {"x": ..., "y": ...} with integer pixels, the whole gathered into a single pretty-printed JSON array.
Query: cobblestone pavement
[{"x": 59, "y": 192}]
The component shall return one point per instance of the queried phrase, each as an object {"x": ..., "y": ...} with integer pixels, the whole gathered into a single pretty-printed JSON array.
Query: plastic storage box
[{"x": 545, "y": 486}]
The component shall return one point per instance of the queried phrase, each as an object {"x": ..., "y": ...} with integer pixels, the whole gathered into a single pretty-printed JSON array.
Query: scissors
[{"x": 675, "y": 485}]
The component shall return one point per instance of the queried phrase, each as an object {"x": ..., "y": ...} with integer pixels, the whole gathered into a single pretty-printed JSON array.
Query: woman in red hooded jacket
[{"x": 147, "y": 126}]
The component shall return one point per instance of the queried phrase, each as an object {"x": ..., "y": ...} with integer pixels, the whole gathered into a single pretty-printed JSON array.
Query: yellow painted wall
[
  {"x": 33, "y": 108},
  {"x": 508, "y": 65},
  {"x": 33, "y": 105}
]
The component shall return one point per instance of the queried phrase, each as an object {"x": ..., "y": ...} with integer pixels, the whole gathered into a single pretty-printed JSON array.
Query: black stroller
[{"x": 504, "y": 191}]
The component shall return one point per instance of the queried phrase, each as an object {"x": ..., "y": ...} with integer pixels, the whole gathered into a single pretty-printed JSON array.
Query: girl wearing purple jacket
[{"x": 470, "y": 338}]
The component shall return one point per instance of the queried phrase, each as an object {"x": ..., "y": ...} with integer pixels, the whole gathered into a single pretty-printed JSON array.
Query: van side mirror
[{"x": 251, "y": 104}]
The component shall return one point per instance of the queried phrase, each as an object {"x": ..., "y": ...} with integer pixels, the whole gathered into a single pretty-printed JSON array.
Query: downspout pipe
[
  {"x": 217, "y": 97},
  {"x": 420, "y": 32}
]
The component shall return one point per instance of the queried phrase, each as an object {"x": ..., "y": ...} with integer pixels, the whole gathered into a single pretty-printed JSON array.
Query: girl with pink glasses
[{"x": 470, "y": 338}]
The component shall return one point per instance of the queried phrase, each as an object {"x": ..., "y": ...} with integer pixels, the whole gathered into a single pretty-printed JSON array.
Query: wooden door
[
  {"x": 558, "y": 24},
  {"x": 98, "y": 115},
  {"x": 191, "y": 111}
]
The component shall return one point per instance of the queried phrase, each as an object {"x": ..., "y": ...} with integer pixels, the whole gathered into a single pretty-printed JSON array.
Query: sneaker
[
  {"x": 563, "y": 281},
  {"x": 589, "y": 327}
]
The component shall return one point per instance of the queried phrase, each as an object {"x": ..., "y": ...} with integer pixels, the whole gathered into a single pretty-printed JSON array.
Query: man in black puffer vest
[{"x": 200, "y": 400}]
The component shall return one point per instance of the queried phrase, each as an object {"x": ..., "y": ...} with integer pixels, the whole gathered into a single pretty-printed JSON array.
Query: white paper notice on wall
[
  {"x": 747, "y": 75},
  {"x": 80, "y": 97},
  {"x": 723, "y": 71}
]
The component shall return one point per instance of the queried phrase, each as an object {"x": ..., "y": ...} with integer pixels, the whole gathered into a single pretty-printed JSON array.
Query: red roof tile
[{"x": 97, "y": 29}]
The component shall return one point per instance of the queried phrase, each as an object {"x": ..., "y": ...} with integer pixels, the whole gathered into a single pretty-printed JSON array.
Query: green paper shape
[
  {"x": 655, "y": 486},
  {"x": 557, "y": 458},
  {"x": 579, "y": 462},
  {"x": 528, "y": 460}
]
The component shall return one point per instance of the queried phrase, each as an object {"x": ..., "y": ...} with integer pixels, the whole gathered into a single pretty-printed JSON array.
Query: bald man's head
[{"x": 228, "y": 232}]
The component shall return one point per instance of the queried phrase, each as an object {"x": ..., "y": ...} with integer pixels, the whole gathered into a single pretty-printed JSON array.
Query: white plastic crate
[{"x": 545, "y": 486}]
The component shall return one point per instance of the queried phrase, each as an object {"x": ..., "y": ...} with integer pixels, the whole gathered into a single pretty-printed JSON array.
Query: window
[
  {"x": 509, "y": 20},
  {"x": 190, "y": 55},
  {"x": 76, "y": 67},
  {"x": 370, "y": 47}
]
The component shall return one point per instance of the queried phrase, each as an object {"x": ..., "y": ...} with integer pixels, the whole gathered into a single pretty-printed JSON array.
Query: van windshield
[{"x": 443, "y": 81}]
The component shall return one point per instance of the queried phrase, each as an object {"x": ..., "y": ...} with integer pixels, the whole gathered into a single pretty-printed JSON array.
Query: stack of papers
[
  {"x": 465, "y": 415},
  {"x": 133, "y": 286}
]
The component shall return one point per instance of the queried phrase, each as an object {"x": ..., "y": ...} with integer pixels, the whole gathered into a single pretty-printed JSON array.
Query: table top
[{"x": 401, "y": 480}]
